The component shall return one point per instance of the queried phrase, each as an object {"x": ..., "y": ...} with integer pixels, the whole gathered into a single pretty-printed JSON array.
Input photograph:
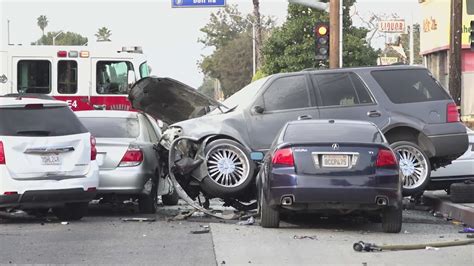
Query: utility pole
[
  {"x": 334, "y": 28},
  {"x": 455, "y": 47},
  {"x": 8, "y": 31}
]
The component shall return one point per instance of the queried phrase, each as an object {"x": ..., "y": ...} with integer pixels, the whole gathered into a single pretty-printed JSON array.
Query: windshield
[{"x": 245, "y": 95}]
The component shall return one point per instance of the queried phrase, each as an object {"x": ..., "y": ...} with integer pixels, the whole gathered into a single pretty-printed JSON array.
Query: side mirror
[
  {"x": 258, "y": 109},
  {"x": 130, "y": 78},
  {"x": 305, "y": 117}
]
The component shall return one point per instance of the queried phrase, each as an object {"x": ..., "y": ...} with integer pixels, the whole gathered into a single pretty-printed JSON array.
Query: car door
[
  {"x": 343, "y": 95},
  {"x": 284, "y": 99}
]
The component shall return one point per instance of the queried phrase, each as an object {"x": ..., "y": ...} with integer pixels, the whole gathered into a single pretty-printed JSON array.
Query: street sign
[
  {"x": 383, "y": 61},
  {"x": 197, "y": 3},
  {"x": 392, "y": 26}
]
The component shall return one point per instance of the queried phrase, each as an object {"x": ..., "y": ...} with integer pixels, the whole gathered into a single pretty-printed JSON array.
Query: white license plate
[
  {"x": 335, "y": 160},
  {"x": 50, "y": 159}
]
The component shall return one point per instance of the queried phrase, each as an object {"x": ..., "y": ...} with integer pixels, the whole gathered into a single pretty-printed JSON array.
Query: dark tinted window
[
  {"x": 39, "y": 122},
  {"x": 67, "y": 77},
  {"x": 409, "y": 85},
  {"x": 34, "y": 76},
  {"x": 112, "y": 127},
  {"x": 286, "y": 93},
  {"x": 112, "y": 77},
  {"x": 342, "y": 89},
  {"x": 316, "y": 132}
]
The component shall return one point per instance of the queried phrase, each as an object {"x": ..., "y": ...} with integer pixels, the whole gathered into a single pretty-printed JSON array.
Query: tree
[
  {"x": 291, "y": 47},
  {"x": 207, "y": 87},
  {"x": 230, "y": 34},
  {"x": 405, "y": 41},
  {"x": 103, "y": 34},
  {"x": 42, "y": 22},
  {"x": 66, "y": 38}
]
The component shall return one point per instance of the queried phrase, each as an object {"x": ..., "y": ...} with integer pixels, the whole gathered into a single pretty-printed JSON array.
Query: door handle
[{"x": 374, "y": 113}]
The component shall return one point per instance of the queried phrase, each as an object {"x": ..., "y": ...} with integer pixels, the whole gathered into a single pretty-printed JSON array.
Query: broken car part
[{"x": 362, "y": 246}]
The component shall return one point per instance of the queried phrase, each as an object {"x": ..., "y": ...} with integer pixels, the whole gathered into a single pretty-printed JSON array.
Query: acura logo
[{"x": 335, "y": 146}]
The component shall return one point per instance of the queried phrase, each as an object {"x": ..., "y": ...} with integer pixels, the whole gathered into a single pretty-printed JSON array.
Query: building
[{"x": 434, "y": 46}]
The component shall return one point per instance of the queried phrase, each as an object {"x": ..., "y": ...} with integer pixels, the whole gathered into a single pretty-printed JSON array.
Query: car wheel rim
[
  {"x": 227, "y": 165},
  {"x": 413, "y": 166}
]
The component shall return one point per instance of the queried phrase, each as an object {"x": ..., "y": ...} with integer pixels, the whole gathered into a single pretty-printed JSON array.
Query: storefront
[{"x": 434, "y": 46}]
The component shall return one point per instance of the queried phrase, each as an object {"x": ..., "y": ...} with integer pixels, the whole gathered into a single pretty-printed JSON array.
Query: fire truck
[{"x": 87, "y": 78}]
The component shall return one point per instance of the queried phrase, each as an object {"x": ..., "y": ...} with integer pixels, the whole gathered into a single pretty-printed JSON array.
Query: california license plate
[
  {"x": 50, "y": 159},
  {"x": 335, "y": 160}
]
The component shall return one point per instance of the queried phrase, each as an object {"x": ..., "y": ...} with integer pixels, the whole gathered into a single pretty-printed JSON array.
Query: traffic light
[
  {"x": 321, "y": 33},
  {"x": 472, "y": 35}
]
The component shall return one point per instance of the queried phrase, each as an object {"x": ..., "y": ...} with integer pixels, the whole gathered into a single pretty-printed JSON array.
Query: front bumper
[{"x": 46, "y": 198}]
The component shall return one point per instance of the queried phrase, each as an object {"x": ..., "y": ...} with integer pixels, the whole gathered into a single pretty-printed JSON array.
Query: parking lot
[{"x": 103, "y": 237}]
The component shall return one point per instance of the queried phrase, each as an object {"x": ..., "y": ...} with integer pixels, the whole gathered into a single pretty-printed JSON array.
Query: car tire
[
  {"x": 71, "y": 211},
  {"x": 149, "y": 203},
  {"x": 414, "y": 165},
  {"x": 170, "y": 199},
  {"x": 238, "y": 173},
  {"x": 269, "y": 217},
  {"x": 462, "y": 193},
  {"x": 392, "y": 220}
]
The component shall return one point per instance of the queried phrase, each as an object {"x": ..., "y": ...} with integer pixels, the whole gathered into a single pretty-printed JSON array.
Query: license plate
[
  {"x": 50, "y": 159},
  {"x": 335, "y": 160}
]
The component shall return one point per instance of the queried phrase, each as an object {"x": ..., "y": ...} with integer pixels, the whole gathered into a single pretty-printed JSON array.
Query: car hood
[{"x": 169, "y": 100}]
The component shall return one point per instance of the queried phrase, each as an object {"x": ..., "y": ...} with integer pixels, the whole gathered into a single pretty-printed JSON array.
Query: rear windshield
[
  {"x": 409, "y": 85},
  {"x": 307, "y": 132},
  {"x": 39, "y": 122},
  {"x": 115, "y": 127}
]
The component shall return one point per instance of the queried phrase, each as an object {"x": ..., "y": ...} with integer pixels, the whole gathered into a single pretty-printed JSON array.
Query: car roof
[
  {"x": 353, "y": 69},
  {"x": 12, "y": 102},
  {"x": 107, "y": 113}
]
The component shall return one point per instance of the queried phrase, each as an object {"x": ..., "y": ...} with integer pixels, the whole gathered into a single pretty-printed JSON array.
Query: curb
[{"x": 456, "y": 211}]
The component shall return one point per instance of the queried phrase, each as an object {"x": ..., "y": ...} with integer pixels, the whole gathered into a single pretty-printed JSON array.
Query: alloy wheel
[
  {"x": 413, "y": 166},
  {"x": 227, "y": 165}
]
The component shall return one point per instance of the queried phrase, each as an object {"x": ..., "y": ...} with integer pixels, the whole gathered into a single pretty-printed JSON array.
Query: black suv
[{"x": 417, "y": 116}]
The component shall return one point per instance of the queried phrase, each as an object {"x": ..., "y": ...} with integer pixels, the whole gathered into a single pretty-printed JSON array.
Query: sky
[{"x": 168, "y": 36}]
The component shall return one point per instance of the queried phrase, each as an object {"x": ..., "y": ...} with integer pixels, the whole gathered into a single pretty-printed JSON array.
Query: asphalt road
[{"x": 102, "y": 238}]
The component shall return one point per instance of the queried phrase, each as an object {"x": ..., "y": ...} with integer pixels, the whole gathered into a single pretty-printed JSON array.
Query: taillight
[
  {"x": 452, "y": 114},
  {"x": 386, "y": 158},
  {"x": 283, "y": 157},
  {"x": 133, "y": 157},
  {"x": 2, "y": 154},
  {"x": 93, "y": 149}
]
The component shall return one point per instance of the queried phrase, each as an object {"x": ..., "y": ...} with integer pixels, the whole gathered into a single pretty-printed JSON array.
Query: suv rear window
[
  {"x": 410, "y": 85},
  {"x": 116, "y": 127},
  {"x": 39, "y": 122}
]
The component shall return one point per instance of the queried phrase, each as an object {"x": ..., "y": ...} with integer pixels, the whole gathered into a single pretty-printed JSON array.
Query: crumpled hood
[{"x": 169, "y": 100}]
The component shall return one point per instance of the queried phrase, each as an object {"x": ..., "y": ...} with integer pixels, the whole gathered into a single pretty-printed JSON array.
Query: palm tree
[
  {"x": 103, "y": 34},
  {"x": 42, "y": 22}
]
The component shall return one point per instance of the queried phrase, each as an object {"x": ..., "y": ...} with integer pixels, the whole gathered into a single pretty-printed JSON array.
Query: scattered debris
[
  {"x": 441, "y": 236},
  {"x": 64, "y": 223},
  {"x": 305, "y": 237},
  {"x": 406, "y": 232},
  {"x": 198, "y": 214},
  {"x": 138, "y": 219},
  {"x": 144, "y": 235},
  {"x": 438, "y": 214},
  {"x": 470, "y": 235},
  {"x": 361, "y": 246},
  {"x": 202, "y": 231},
  {"x": 249, "y": 221},
  {"x": 431, "y": 248},
  {"x": 467, "y": 230}
]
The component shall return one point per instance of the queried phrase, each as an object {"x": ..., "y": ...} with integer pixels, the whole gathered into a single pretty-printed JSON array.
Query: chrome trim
[{"x": 48, "y": 150}]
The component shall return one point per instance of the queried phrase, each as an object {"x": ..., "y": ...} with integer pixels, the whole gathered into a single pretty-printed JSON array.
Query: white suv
[{"x": 47, "y": 158}]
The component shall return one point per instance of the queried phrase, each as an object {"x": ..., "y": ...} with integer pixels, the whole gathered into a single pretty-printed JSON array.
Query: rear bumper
[
  {"x": 123, "y": 180},
  {"x": 341, "y": 193},
  {"x": 450, "y": 146},
  {"x": 46, "y": 198}
]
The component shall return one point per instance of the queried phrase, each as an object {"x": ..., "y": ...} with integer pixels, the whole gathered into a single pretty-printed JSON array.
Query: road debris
[
  {"x": 64, "y": 223},
  {"x": 431, "y": 248},
  {"x": 467, "y": 230},
  {"x": 305, "y": 237},
  {"x": 361, "y": 246},
  {"x": 202, "y": 231},
  {"x": 249, "y": 221},
  {"x": 138, "y": 219}
]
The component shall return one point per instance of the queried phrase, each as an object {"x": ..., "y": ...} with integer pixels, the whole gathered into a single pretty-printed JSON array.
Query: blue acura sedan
[{"x": 331, "y": 166}]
